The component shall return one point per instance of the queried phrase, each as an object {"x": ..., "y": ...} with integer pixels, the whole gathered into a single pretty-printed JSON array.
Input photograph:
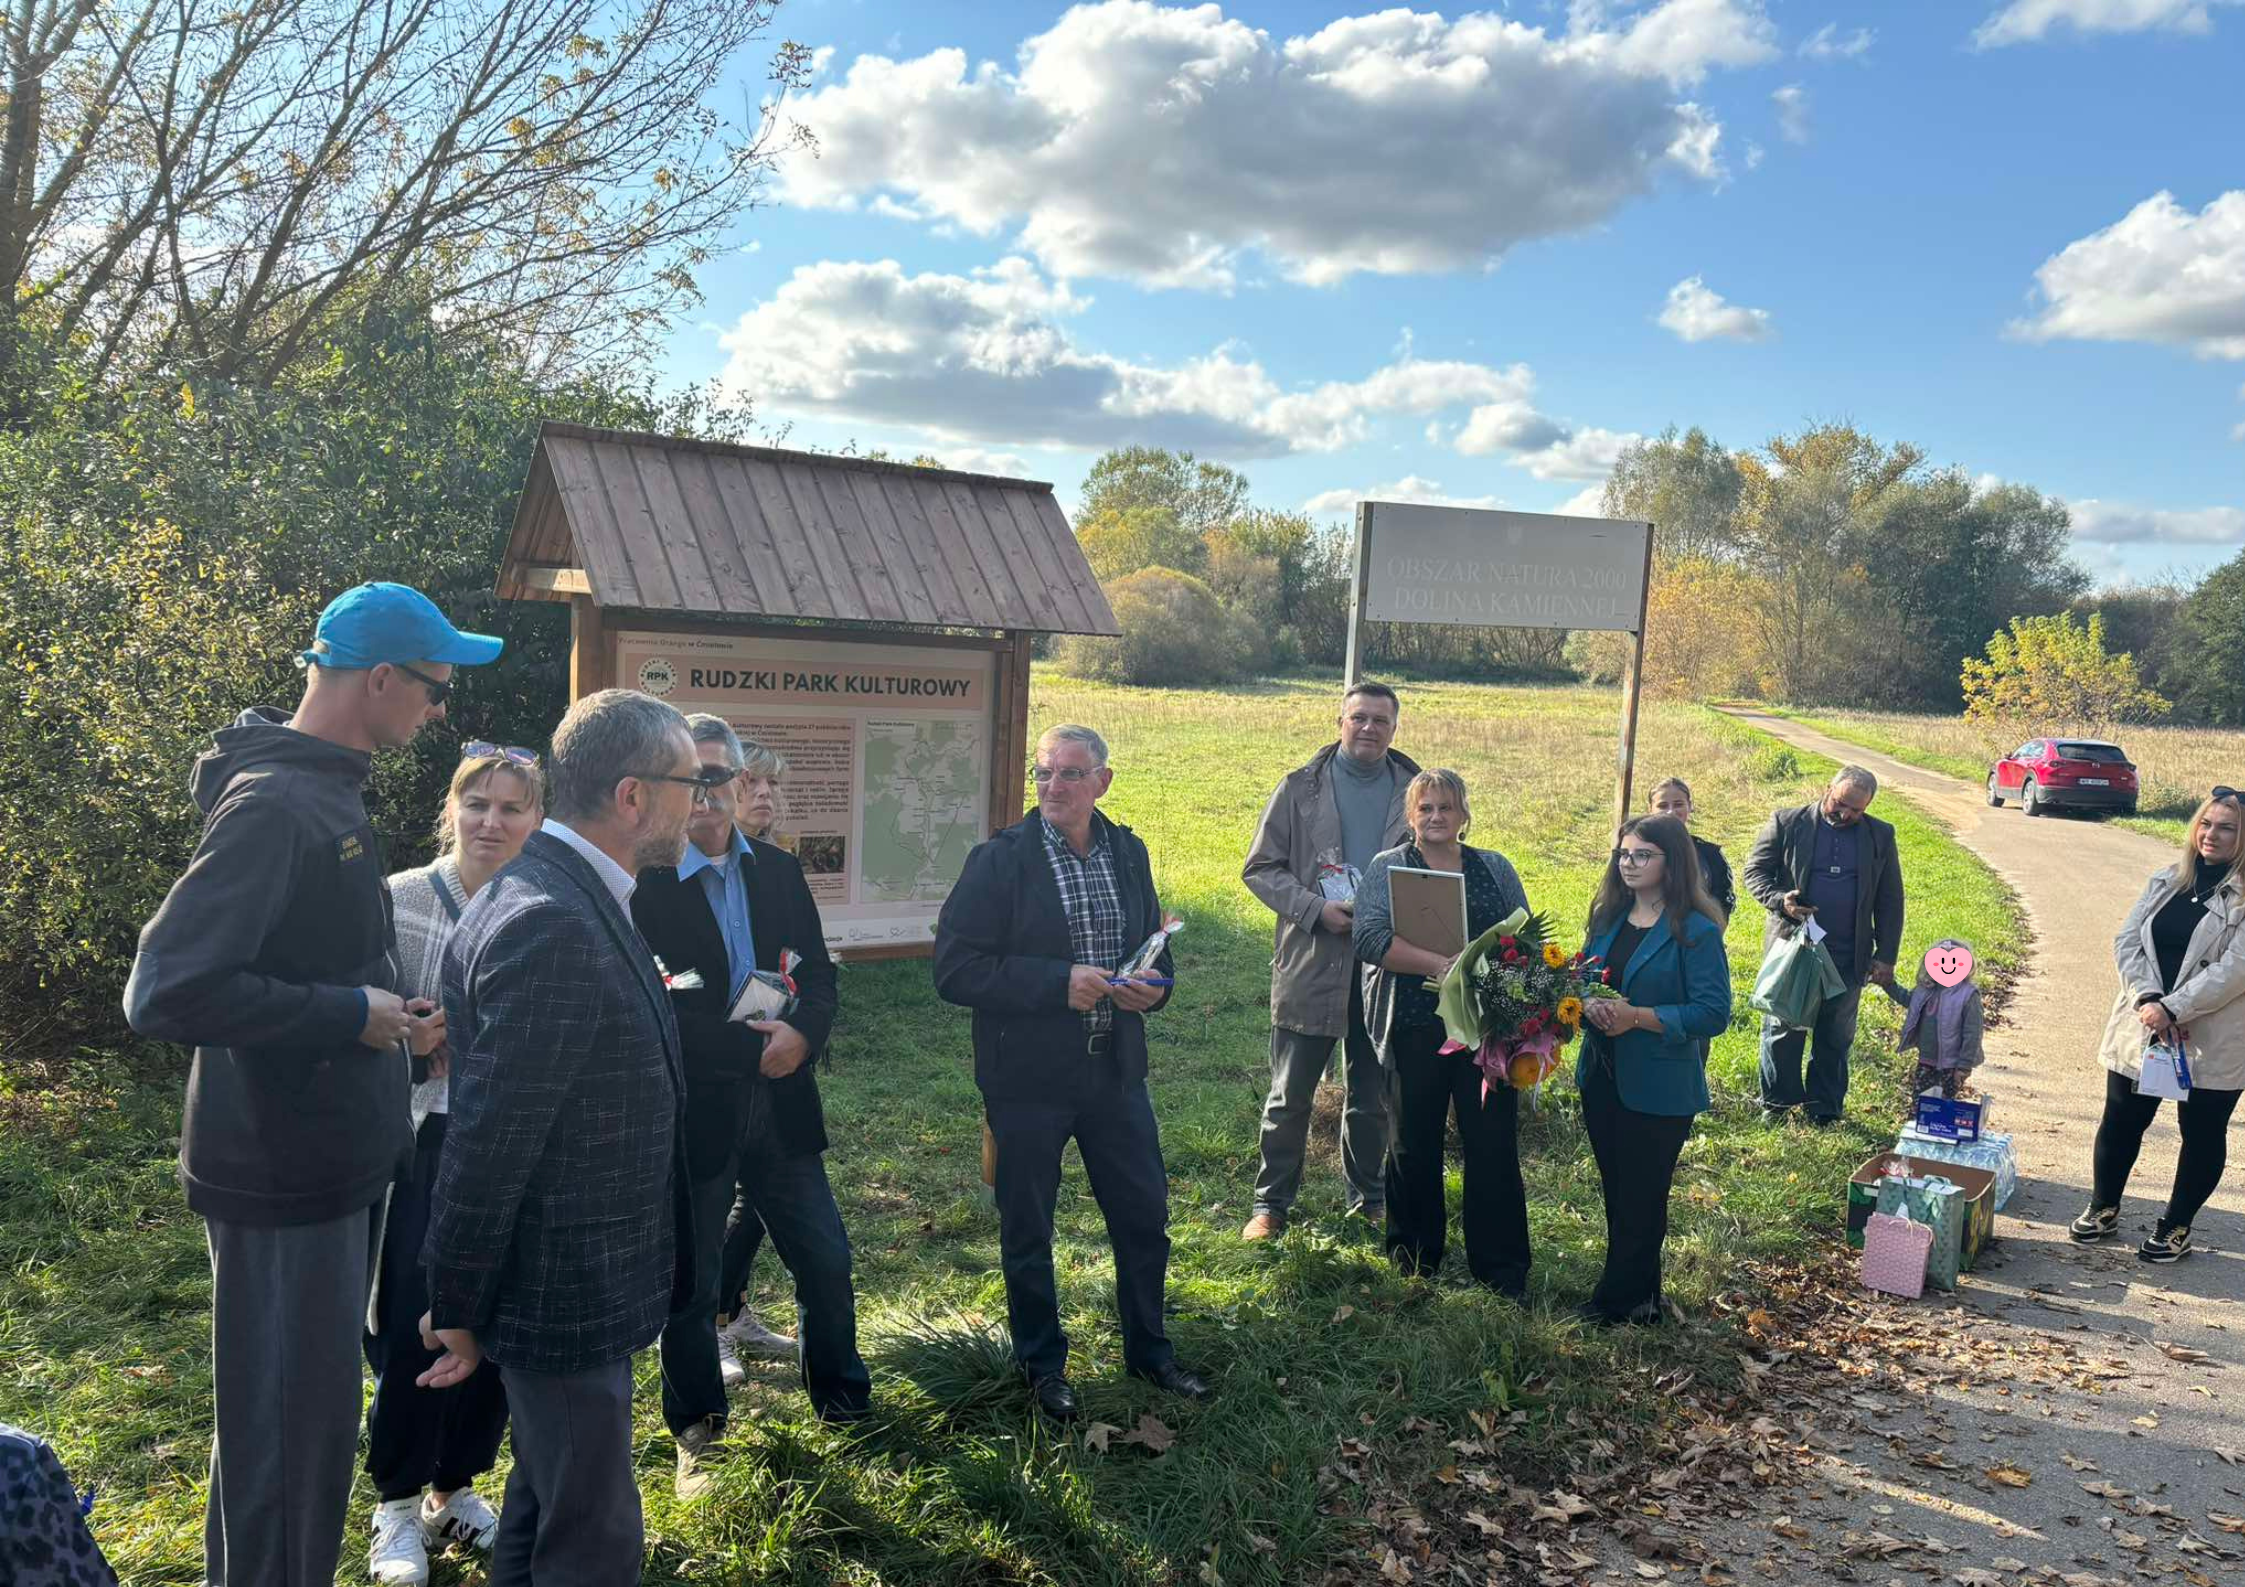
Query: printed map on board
[{"x": 923, "y": 798}]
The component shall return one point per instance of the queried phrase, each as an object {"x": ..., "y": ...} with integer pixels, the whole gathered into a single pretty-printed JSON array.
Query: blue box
[{"x": 1951, "y": 1118}]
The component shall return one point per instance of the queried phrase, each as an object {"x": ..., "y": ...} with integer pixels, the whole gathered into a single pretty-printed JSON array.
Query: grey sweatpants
[{"x": 287, "y": 1307}]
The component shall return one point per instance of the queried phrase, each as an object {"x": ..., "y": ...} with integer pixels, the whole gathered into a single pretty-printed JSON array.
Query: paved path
[{"x": 2072, "y": 1365}]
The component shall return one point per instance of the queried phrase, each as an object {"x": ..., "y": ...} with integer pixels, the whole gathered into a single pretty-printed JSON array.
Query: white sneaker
[
  {"x": 747, "y": 1332},
  {"x": 463, "y": 1518},
  {"x": 399, "y": 1556},
  {"x": 729, "y": 1363}
]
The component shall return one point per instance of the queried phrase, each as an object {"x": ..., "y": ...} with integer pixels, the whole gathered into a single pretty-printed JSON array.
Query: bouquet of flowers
[{"x": 1514, "y": 998}]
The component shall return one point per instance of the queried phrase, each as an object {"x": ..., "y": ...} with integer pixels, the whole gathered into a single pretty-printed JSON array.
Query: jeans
[
  {"x": 2204, "y": 1121},
  {"x": 1826, "y": 1092},
  {"x": 744, "y": 1236},
  {"x": 1297, "y": 1064},
  {"x": 1636, "y": 1155},
  {"x": 1112, "y": 1124},
  {"x": 421, "y": 1438},
  {"x": 1424, "y": 1088}
]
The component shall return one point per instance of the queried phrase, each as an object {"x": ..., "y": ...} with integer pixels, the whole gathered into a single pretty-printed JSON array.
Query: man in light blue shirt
[{"x": 724, "y": 883}]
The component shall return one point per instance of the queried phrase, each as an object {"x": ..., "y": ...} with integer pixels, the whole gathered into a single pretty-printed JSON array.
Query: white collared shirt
[{"x": 617, "y": 880}]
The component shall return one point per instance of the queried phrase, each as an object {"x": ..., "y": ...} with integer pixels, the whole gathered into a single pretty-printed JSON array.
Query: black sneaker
[
  {"x": 2097, "y": 1223},
  {"x": 2169, "y": 1242}
]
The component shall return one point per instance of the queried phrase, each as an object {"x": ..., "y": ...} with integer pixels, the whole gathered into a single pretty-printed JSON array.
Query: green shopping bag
[
  {"x": 1939, "y": 1205},
  {"x": 1796, "y": 978}
]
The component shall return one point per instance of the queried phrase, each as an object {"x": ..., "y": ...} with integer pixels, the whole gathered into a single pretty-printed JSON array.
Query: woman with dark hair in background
[{"x": 1642, "y": 1072}]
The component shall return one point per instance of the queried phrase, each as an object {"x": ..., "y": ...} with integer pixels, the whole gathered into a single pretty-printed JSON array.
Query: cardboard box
[
  {"x": 1977, "y": 1184},
  {"x": 1951, "y": 1118}
]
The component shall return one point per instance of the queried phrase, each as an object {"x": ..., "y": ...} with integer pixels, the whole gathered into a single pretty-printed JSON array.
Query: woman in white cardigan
[{"x": 2181, "y": 954}]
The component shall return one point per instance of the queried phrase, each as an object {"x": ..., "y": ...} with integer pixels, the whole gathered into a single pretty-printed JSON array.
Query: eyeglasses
[
  {"x": 484, "y": 749},
  {"x": 705, "y": 782},
  {"x": 1633, "y": 858},
  {"x": 437, "y": 691},
  {"x": 1070, "y": 775}
]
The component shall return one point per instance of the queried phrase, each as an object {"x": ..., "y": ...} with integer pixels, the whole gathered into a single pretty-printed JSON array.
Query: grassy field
[
  {"x": 1323, "y": 1359},
  {"x": 2174, "y": 765}
]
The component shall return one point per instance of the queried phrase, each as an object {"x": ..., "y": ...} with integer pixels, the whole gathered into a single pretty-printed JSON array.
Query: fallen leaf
[
  {"x": 2228, "y": 1523},
  {"x": 1097, "y": 1435},
  {"x": 1152, "y": 1433},
  {"x": 2075, "y": 1461},
  {"x": 2148, "y": 1419},
  {"x": 1344, "y": 1314},
  {"x": 1261, "y": 1544},
  {"x": 2004, "y": 1562},
  {"x": 1977, "y": 1578},
  {"x": 1648, "y": 1572},
  {"x": 2175, "y": 1352}
]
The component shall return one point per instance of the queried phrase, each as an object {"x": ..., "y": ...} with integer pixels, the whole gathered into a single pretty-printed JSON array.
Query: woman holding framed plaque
[{"x": 1418, "y": 906}]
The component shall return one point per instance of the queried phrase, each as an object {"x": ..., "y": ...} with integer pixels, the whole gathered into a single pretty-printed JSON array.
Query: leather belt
[{"x": 1099, "y": 1043}]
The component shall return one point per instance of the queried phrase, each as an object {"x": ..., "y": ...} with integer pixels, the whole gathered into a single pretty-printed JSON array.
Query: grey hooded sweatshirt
[{"x": 256, "y": 959}]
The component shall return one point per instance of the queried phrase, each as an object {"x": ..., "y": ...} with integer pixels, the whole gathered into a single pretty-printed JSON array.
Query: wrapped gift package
[
  {"x": 1990, "y": 1152},
  {"x": 1952, "y": 1118},
  {"x": 1977, "y": 1184},
  {"x": 1938, "y": 1203},
  {"x": 1895, "y": 1252}
]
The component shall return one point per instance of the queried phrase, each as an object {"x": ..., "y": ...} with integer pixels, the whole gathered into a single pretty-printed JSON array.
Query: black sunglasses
[
  {"x": 437, "y": 691},
  {"x": 480, "y": 748},
  {"x": 706, "y": 781},
  {"x": 2225, "y": 791}
]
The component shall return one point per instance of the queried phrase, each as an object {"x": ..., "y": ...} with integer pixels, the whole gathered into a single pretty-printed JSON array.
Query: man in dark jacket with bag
[
  {"x": 1832, "y": 861},
  {"x": 272, "y": 956},
  {"x": 730, "y": 907},
  {"x": 1043, "y": 916}
]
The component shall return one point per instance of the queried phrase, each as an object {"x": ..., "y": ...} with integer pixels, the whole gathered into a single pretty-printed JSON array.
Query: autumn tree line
[{"x": 1825, "y": 568}]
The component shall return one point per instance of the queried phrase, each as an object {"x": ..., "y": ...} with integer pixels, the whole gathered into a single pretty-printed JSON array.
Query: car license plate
[{"x": 2096, "y": 782}]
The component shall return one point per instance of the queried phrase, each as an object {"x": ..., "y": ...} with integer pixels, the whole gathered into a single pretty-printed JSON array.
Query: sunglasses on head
[
  {"x": 2225, "y": 791},
  {"x": 479, "y": 749}
]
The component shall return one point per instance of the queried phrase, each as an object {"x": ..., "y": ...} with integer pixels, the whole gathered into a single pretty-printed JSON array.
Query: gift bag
[
  {"x": 1939, "y": 1205},
  {"x": 1796, "y": 978},
  {"x": 1895, "y": 1252},
  {"x": 2165, "y": 1071}
]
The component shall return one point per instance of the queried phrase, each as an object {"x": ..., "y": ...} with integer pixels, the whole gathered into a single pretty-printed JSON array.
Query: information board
[
  {"x": 888, "y": 752},
  {"x": 1494, "y": 569}
]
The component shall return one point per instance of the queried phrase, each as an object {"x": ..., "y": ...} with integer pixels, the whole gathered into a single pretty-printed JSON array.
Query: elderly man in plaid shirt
[{"x": 1031, "y": 939}]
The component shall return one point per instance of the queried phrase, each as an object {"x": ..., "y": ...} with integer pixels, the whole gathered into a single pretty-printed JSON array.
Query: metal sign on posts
[{"x": 1476, "y": 567}]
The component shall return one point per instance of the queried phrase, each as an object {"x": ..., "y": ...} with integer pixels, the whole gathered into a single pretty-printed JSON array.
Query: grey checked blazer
[{"x": 561, "y": 1212}]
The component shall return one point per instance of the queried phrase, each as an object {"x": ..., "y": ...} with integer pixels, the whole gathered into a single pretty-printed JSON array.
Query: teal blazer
[{"x": 1690, "y": 989}]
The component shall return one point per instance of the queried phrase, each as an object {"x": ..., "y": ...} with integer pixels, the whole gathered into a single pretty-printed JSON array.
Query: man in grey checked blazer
[{"x": 560, "y": 1229}]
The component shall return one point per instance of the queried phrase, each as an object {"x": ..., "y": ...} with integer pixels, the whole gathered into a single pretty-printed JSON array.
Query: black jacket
[
  {"x": 256, "y": 958},
  {"x": 1002, "y": 948},
  {"x": 1780, "y": 861},
  {"x": 722, "y": 1056},
  {"x": 1715, "y": 872},
  {"x": 560, "y": 1229}
]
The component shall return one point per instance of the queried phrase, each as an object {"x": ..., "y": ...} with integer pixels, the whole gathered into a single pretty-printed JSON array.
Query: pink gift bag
[{"x": 1894, "y": 1255}]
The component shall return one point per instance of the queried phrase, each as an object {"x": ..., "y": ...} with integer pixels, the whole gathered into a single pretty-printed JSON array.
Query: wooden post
[
  {"x": 1359, "y": 581},
  {"x": 1632, "y": 685},
  {"x": 590, "y": 668}
]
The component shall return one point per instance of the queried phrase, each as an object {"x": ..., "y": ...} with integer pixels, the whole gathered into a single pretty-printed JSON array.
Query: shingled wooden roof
[{"x": 652, "y": 523}]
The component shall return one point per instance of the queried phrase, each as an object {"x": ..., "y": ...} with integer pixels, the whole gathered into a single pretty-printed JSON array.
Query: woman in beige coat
[{"x": 2181, "y": 954}]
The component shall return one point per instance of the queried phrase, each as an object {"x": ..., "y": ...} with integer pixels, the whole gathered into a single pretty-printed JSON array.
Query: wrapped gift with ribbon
[
  {"x": 1991, "y": 1152},
  {"x": 1939, "y": 1205}
]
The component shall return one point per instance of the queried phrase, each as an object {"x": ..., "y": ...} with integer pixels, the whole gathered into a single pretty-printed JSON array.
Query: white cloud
[
  {"x": 2026, "y": 21},
  {"x": 986, "y": 358},
  {"x": 1588, "y": 502},
  {"x": 2158, "y": 274},
  {"x": 2114, "y": 523},
  {"x": 1792, "y": 112},
  {"x": 978, "y": 460},
  {"x": 1825, "y": 44},
  {"x": 1585, "y": 454},
  {"x": 1409, "y": 488},
  {"x": 1160, "y": 144},
  {"x": 1698, "y": 313}
]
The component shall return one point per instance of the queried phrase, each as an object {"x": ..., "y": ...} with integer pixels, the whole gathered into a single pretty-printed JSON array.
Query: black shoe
[
  {"x": 1591, "y": 1315},
  {"x": 1055, "y": 1396},
  {"x": 2169, "y": 1242},
  {"x": 2096, "y": 1223},
  {"x": 1176, "y": 1380},
  {"x": 1823, "y": 1121}
]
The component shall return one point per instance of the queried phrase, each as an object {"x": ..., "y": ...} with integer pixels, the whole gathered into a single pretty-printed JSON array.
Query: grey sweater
[{"x": 1374, "y": 932}]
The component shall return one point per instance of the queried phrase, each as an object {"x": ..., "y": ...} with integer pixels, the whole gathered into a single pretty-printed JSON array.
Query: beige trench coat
[
  {"x": 2208, "y": 1001},
  {"x": 1310, "y": 968}
]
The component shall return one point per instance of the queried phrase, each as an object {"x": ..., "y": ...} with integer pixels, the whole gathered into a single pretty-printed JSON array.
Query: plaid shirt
[{"x": 1093, "y": 904}]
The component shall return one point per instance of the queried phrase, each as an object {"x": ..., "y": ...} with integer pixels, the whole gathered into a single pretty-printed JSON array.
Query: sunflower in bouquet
[{"x": 1514, "y": 998}]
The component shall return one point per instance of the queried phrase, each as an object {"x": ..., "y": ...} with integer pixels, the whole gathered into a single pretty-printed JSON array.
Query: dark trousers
[
  {"x": 1297, "y": 1064},
  {"x": 2204, "y": 1121},
  {"x": 744, "y": 1235},
  {"x": 572, "y": 1516},
  {"x": 1424, "y": 1087},
  {"x": 1112, "y": 1124},
  {"x": 790, "y": 1197},
  {"x": 1636, "y": 1155},
  {"x": 421, "y": 1438},
  {"x": 288, "y": 1305},
  {"x": 1825, "y": 1093}
]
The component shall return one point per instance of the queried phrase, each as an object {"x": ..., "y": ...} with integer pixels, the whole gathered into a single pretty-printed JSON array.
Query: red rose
[
  {"x": 1605, "y": 977},
  {"x": 1506, "y": 942},
  {"x": 1512, "y": 955}
]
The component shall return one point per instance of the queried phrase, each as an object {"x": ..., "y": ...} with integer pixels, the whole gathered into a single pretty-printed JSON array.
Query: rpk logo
[{"x": 657, "y": 676}]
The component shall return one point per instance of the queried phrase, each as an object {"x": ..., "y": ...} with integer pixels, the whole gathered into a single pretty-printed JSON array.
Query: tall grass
[{"x": 1310, "y": 1340}]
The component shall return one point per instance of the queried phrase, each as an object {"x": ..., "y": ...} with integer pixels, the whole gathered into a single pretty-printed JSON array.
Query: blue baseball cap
[{"x": 376, "y": 623}]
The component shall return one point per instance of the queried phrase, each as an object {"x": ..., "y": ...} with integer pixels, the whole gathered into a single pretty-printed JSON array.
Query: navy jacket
[
  {"x": 1781, "y": 860},
  {"x": 1002, "y": 949},
  {"x": 721, "y": 1054},
  {"x": 1690, "y": 989},
  {"x": 560, "y": 1229}
]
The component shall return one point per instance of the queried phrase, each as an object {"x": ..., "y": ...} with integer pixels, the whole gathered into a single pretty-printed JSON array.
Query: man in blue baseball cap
[{"x": 272, "y": 957}]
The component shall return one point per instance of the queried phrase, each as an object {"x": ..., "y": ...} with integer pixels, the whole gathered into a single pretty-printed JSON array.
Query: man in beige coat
[{"x": 1319, "y": 832}]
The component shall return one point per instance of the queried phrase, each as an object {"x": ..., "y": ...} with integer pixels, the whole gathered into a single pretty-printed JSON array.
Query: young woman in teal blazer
[{"x": 1641, "y": 1073}]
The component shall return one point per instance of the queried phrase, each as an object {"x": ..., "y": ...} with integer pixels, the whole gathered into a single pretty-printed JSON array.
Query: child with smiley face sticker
[{"x": 1944, "y": 1018}]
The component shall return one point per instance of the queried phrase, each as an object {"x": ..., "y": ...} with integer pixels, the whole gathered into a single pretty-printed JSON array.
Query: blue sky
[{"x": 1465, "y": 255}]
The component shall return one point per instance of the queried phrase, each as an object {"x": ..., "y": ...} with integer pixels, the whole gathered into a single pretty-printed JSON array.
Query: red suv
[{"x": 2065, "y": 773}]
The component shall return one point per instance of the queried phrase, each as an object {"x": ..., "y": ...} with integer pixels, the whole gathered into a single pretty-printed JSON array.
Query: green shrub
[
  {"x": 1174, "y": 631},
  {"x": 1774, "y": 763}
]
